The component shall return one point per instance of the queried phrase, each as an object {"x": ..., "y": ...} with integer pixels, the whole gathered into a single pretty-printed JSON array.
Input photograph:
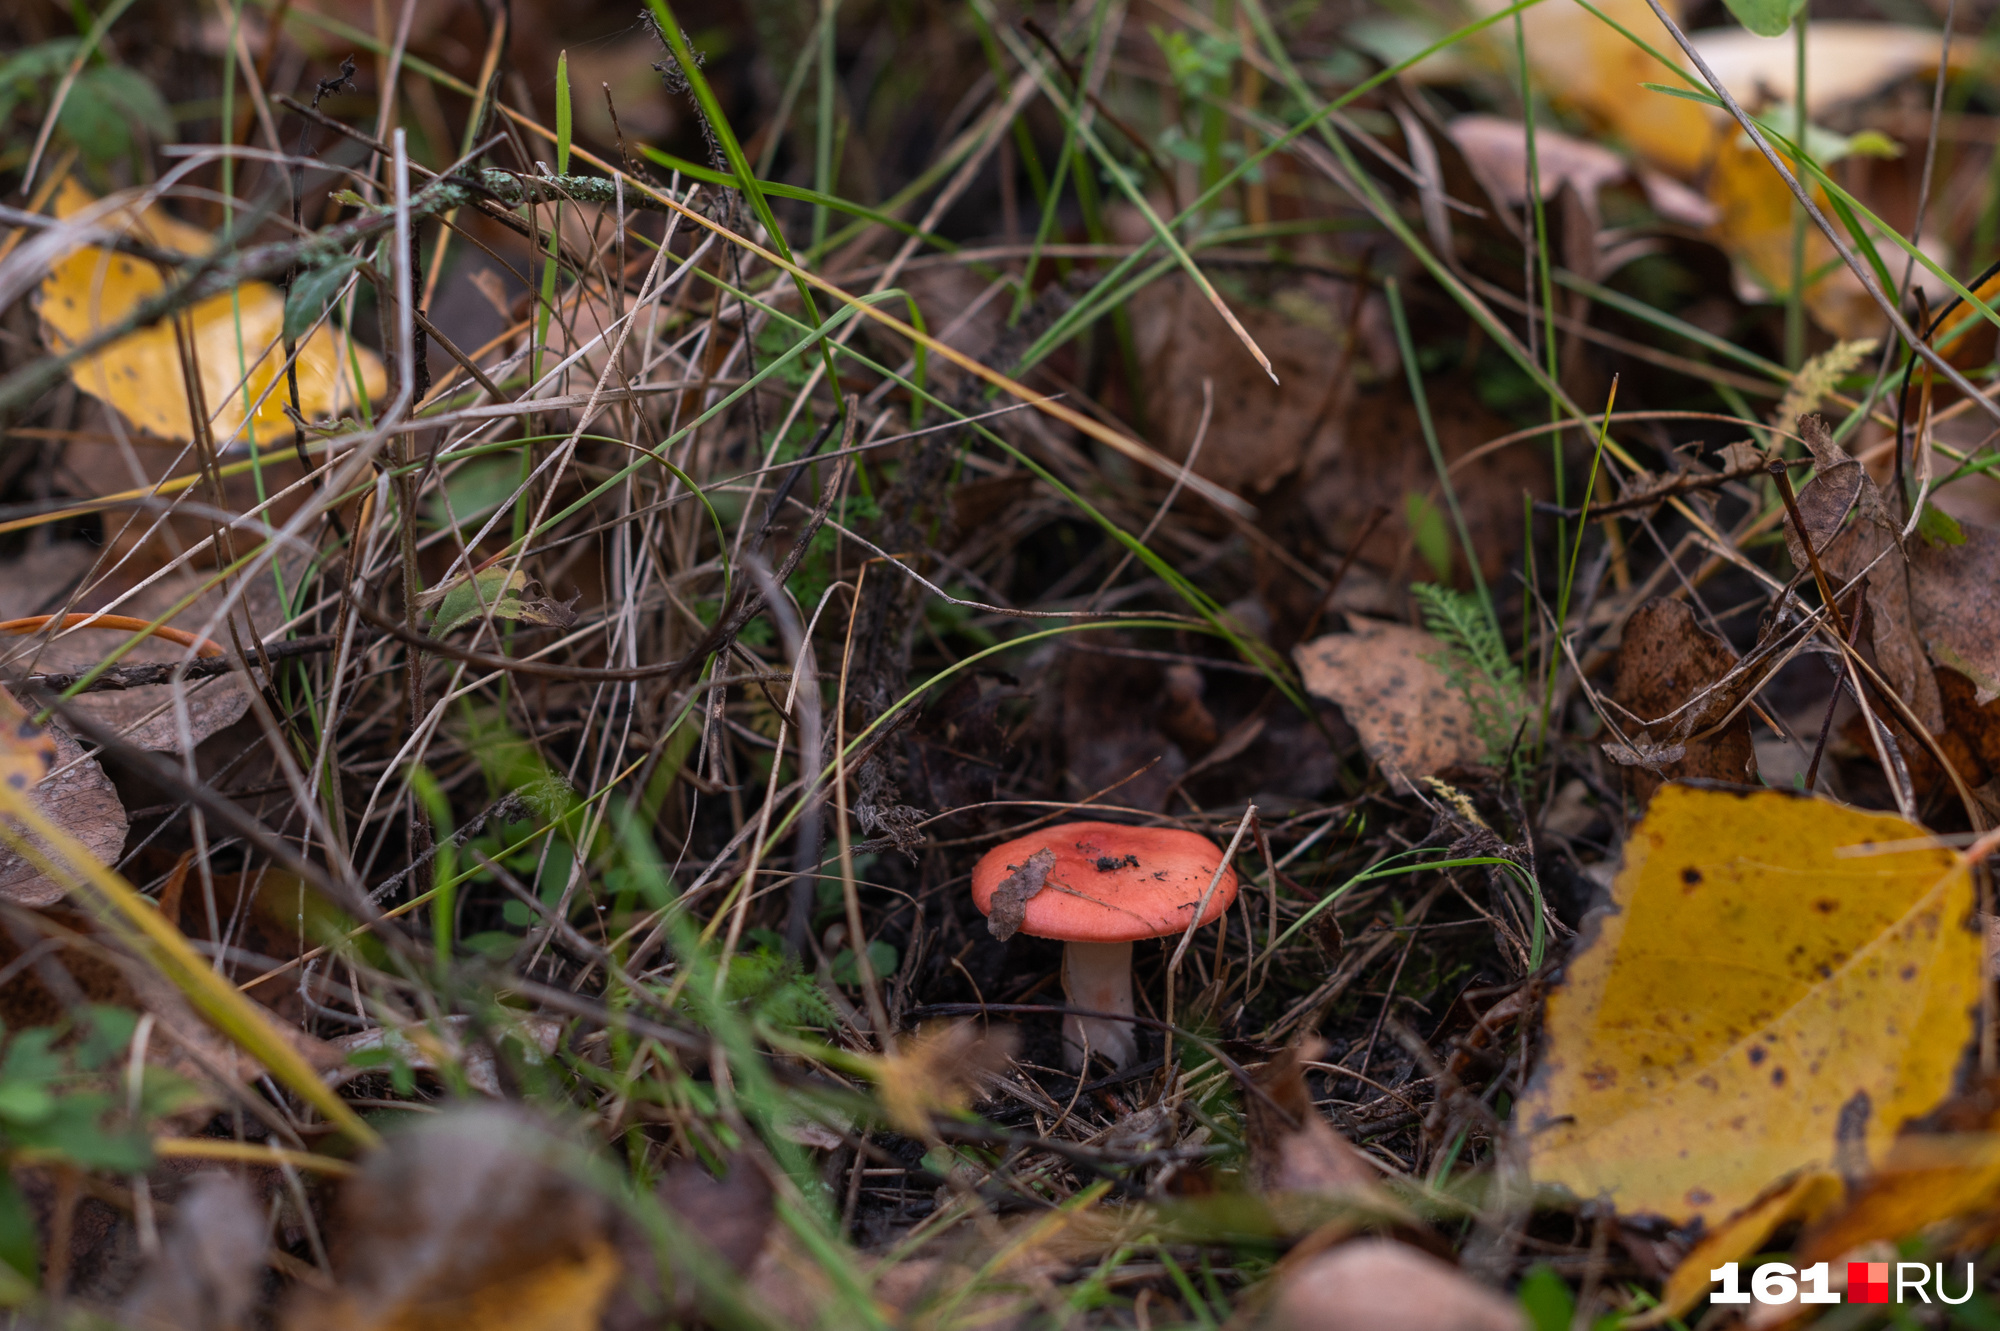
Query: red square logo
[{"x": 1867, "y": 1282}]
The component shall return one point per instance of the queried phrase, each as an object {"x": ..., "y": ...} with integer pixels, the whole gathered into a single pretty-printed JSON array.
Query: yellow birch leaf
[
  {"x": 1804, "y": 1196},
  {"x": 1589, "y": 67},
  {"x": 1754, "y": 1004},
  {"x": 27, "y": 751},
  {"x": 234, "y": 333}
]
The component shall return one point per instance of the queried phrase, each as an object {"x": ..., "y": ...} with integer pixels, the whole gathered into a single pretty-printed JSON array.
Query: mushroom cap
[{"x": 1111, "y": 883}]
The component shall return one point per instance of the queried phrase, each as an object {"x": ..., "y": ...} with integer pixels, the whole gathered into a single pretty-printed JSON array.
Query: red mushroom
[{"x": 1100, "y": 887}]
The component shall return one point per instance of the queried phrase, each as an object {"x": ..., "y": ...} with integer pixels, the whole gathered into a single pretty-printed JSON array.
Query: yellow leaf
[
  {"x": 1756, "y": 1004},
  {"x": 1589, "y": 67},
  {"x": 1948, "y": 1171},
  {"x": 236, "y": 332},
  {"x": 1804, "y": 1196}
]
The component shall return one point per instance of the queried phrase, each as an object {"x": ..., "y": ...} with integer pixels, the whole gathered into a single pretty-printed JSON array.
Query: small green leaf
[
  {"x": 23, "y": 1102},
  {"x": 1427, "y": 529},
  {"x": 1939, "y": 527},
  {"x": 311, "y": 291},
  {"x": 20, "y": 1248},
  {"x": 881, "y": 959},
  {"x": 1766, "y": 18},
  {"x": 497, "y": 592},
  {"x": 1546, "y": 1299}
]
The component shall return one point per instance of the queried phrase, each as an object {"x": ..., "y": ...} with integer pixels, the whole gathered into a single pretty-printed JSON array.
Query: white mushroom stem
[{"x": 1097, "y": 977}]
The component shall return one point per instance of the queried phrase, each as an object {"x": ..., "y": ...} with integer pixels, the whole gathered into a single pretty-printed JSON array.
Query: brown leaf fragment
[
  {"x": 1955, "y": 604},
  {"x": 1826, "y": 500},
  {"x": 721, "y": 1227},
  {"x": 1864, "y": 545},
  {"x": 468, "y": 1219},
  {"x": 1292, "y": 1146},
  {"x": 207, "y": 1270},
  {"x": 1380, "y": 1285},
  {"x": 1666, "y": 661},
  {"x": 1411, "y": 720},
  {"x": 1010, "y": 899}
]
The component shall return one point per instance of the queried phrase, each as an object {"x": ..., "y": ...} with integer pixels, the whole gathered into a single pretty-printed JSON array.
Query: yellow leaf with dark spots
[
  {"x": 236, "y": 337},
  {"x": 1780, "y": 985}
]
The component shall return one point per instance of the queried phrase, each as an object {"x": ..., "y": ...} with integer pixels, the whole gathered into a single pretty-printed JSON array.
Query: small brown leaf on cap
[{"x": 1010, "y": 899}]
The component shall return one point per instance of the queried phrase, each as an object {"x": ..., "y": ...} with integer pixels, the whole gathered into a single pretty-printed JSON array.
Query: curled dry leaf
[
  {"x": 140, "y": 374},
  {"x": 1837, "y": 989},
  {"x": 206, "y": 1273},
  {"x": 1010, "y": 899},
  {"x": 1380, "y": 1285},
  {"x": 1497, "y": 151},
  {"x": 79, "y": 798},
  {"x": 1411, "y": 720},
  {"x": 469, "y": 1219},
  {"x": 1666, "y": 662},
  {"x": 1293, "y": 1149}
]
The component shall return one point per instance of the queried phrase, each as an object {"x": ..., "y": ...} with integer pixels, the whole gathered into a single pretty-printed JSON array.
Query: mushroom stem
[{"x": 1097, "y": 977}]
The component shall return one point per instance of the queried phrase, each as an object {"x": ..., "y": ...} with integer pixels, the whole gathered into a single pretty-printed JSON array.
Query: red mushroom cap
[{"x": 1111, "y": 883}]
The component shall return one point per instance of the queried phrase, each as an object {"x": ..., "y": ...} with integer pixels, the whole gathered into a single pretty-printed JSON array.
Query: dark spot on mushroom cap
[
  {"x": 1777, "y": 1076},
  {"x": 1690, "y": 875},
  {"x": 17, "y": 781},
  {"x": 1826, "y": 905},
  {"x": 1111, "y": 863},
  {"x": 1756, "y": 1055}
]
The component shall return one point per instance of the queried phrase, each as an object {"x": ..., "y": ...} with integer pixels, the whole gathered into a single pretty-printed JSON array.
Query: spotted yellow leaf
[
  {"x": 237, "y": 339},
  {"x": 1779, "y": 985},
  {"x": 27, "y": 750}
]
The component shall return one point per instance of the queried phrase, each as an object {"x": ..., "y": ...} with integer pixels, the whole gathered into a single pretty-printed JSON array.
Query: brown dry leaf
[
  {"x": 1259, "y": 431},
  {"x": 1010, "y": 899},
  {"x": 207, "y": 1271},
  {"x": 1894, "y": 622},
  {"x": 1836, "y": 996},
  {"x": 79, "y": 798},
  {"x": 731, "y": 1218},
  {"x": 1955, "y": 600},
  {"x": 936, "y": 1069},
  {"x": 1497, "y": 151},
  {"x": 1293, "y": 1149},
  {"x": 1666, "y": 660},
  {"x": 145, "y": 715},
  {"x": 469, "y": 1219},
  {"x": 140, "y": 374},
  {"x": 1380, "y": 1285},
  {"x": 1411, "y": 720}
]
